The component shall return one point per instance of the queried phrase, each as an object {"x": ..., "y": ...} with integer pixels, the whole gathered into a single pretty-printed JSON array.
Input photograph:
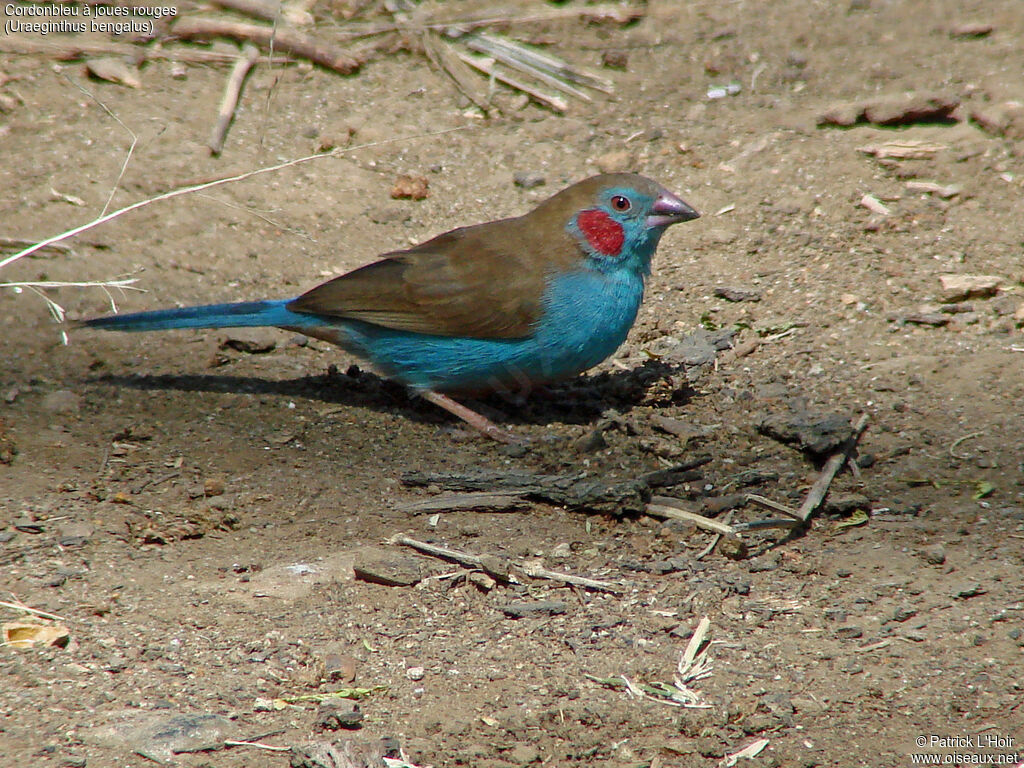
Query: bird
[{"x": 505, "y": 305}]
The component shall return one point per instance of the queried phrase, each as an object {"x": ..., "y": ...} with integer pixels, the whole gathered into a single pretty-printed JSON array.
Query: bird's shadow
[{"x": 579, "y": 401}]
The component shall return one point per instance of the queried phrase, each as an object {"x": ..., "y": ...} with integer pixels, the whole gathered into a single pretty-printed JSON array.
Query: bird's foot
[{"x": 476, "y": 420}]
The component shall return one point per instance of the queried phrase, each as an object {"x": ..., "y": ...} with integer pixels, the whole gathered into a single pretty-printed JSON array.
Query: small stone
[
  {"x": 957, "y": 308},
  {"x": 340, "y": 667},
  {"x": 481, "y": 581},
  {"x": 903, "y": 613},
  {"x": 811, "y": 431},
  {"x": 391, "y": 569},
  {"x": 408, "y": 187},
  {"x": 732, "y": 547},
  {"x": 561, "y": 551},
  {"x": 74, "y": 534},
  {"x": 250, "y": 341},
  {"x": 213, "y": 486},
  {"x": 1004, "y": 119},
  {"x": 934, "y": 554},
  {"x": 415, "y": 673},
  {"x": 764, "y": 564},
  {"x": 846, "y": 503},
  {"x": 676, "y": 427},
  {"x": 338, "y": 713},
  {"x": 838, "y": 615},
  {"x": 914, "y": 108},
  {"x": 934, "y": 319},
  {"x": 528, "y": 180},
  {"x": 968, "y": 589},
  {"x": 849, "y": 633},
  {"x": 392, "y": 215},
  {"x": 971, "y": 29},
  {"x": 841, "y": 115},
  {"x": 538, "y": 608},
  {"x": 28, "y": 525},
  {"x": 62, "y": 401},
  {"x": 959, "y": 287},
  {"x": 732, "y": 293},
  {"x": 590, "y": 441},
  {"x": 619, "y": 161},
  {"x": 615, "y": 58},
  {"x": 337, "y": 138}
]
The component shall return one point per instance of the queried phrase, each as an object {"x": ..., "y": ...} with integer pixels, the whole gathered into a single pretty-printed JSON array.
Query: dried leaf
[
  {"x": 27, "y": 634},
  {"x": 114, "y": 70},
  {"x": 859, "y": 517}
]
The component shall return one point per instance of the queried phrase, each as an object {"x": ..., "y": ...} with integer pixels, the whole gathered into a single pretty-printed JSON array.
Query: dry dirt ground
[{"x": 193, "y": 511}]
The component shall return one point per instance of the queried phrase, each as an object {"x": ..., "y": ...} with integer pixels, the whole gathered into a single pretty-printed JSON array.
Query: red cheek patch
[{"x": 604, "y": 234}]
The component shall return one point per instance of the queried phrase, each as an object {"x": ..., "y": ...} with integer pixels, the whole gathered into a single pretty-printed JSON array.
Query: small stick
[
  {"x": 534, "y": 60},
  {"x": 228, "y": 104},
  {"x": 764, "y": 501},
  {"x": 8, "y": 243},
  {"x": 487, "y": 67},
  {"x": 451, "y": 502},
  {"x": 156, "y": 481},
  {"x": 709, "y": 548},
  {"x": 511, "y": 60},
  {"x": 955, "y": 443},
  {"x": 489, "y": 564},
  {"x": 19, "y": 606},
  {"x": 288, "y": 40},
  {"x": 539, "y": 572},
  {"x": 446, "y": 58},
  {"x": 664, "y": 506},
  {"x": 832, "y": 467},
  {"x": 256, "y": 745},
  {"x": 714, "y": 540},
  {"x": 773, "y": 522}
]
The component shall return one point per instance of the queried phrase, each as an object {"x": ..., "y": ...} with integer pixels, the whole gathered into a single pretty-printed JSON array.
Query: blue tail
[{"x": 242, "y": 314}]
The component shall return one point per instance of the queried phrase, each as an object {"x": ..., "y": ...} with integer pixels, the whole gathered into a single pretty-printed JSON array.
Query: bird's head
[{"x": 618, "y": 219}]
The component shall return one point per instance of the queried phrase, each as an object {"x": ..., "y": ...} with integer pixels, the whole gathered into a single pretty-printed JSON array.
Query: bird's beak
[{"x": 669, "y": 209}]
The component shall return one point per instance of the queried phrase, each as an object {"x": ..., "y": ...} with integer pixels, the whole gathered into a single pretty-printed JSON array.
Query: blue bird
[{"x": 504, "y": 305}]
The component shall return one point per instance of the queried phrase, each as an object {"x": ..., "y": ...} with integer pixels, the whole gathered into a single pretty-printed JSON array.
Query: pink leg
[{"x": 471, "y": 417}]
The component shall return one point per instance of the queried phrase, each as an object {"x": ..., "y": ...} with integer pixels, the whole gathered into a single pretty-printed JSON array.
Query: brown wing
[{"x": 478, "y": 282}]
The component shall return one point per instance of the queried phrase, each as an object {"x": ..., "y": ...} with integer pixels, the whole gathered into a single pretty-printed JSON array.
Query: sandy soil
[{"x": 194, "y": 511}]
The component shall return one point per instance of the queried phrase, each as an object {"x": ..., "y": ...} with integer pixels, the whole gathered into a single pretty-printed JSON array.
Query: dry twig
[
  {"x": 493, "y": 566},
  {"x": 287, "y": 40},
  {"x": 537, "y": 571},
  {"x": 667, "y": 507},
  {"x": 831, "y": 469},
  {"x": 20, "y": 606},
  {"x": 486, "y": 66},
  {"x": 226, "y": 112},
  {"x": 451, "y": 502}
]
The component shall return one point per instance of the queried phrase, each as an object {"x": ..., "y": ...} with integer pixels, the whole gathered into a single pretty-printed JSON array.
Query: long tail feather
[{"x": 242, "y": 314}]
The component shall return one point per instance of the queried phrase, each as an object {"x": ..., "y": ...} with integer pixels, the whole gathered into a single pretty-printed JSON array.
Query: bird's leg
[{"x": 471, "y": 417}]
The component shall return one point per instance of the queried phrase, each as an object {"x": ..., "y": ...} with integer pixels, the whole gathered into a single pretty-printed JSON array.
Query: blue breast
[{"x": 586, "y": 317}]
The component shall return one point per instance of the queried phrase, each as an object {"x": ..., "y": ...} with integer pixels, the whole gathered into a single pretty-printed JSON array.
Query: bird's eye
[{"x": 620, "y": 203}]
